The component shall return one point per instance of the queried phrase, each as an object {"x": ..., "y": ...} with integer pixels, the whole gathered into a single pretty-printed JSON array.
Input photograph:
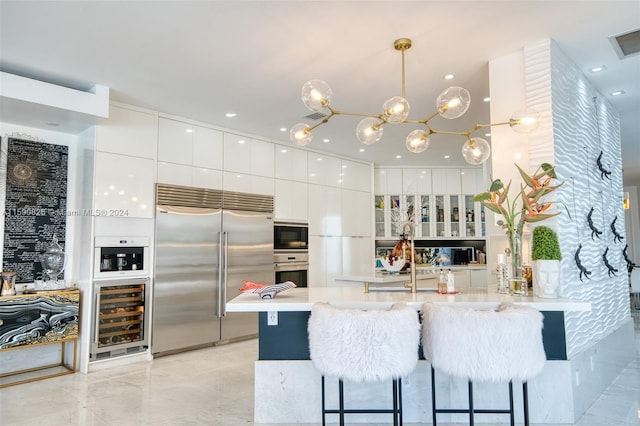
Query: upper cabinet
[
  {"x": 324, "y": 170},
  {"x": 356, "y": 176},
  {"x": 248, "y": 156},
  {"x": 184, "y": 143},
  {"x": 129, "y": 192},
  {"x": 189, "y": 155},
  {"x": 291, "y": 164},
  {"x": 387, "y": 181},
  {"x": 437, "y": 201},
  {"x": 128, "y": 132}
]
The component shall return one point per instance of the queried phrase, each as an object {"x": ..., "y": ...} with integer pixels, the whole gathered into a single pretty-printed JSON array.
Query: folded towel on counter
[{"x": 267, "y": 291}]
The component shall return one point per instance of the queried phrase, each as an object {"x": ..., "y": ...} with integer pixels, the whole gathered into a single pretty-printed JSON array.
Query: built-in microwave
[{"x": 290, "y": 236}]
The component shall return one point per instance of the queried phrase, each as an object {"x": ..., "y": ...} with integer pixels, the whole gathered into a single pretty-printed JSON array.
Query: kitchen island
[{"x": 287, "y": 386}]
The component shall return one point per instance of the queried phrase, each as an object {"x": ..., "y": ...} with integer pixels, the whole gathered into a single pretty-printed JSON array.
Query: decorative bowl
[{"x": 393, "y": 264}]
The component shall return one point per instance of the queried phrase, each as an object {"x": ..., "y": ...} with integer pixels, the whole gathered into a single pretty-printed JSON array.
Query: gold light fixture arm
[{"x": 450, "y": 104}]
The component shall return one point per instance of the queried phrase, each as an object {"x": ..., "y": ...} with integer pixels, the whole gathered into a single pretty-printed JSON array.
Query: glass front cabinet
[{"x": 442, "y": 209}]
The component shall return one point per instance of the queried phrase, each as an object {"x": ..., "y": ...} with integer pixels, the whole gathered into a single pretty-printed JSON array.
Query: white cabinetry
[
  {"x": 248, "y": 156},
  {"x": 325, "y": 210},
  {"x": 356, "y": 176},
  {"x": 356, "y": 256},
  {"x": 291, "y": 200},
  {"x": 356, "y": 213},
  {"x": 248, "y": 165},
  {"x": 189, "y": 155},
  {"x": 324, "y": 170},
  {"x": 387, "y": 181},
  {"x": 123, "y": 186},
  {"x": 124, "y": 171},
  {"x": 325, "y": 260},
  {"x": 438, "y": 199},
  {"x": 128, "y": 132},
  {"x": 291, "y": 164}
]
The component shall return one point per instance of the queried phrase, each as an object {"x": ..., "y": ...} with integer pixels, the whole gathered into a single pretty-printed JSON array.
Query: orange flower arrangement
[{"x": 527, "y": 206}]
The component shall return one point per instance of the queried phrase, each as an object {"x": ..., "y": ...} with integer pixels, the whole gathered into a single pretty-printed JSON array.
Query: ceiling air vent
[
  {"x": 626, "y": 44},
  {"x": 315, "y": 116}
]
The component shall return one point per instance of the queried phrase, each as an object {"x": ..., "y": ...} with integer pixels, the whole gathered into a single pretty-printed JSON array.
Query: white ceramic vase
[{"x": 546, "y": 278}]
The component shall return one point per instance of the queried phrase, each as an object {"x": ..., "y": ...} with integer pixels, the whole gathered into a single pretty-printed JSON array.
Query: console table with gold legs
[{"x": 38, "y": 319}]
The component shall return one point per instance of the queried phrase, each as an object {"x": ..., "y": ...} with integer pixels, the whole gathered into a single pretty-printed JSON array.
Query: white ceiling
[{"x": 201, "y": 59}]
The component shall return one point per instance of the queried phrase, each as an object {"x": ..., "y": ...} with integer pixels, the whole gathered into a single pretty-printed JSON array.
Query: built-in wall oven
[
  {"x": 291, "y": 252},
  {"x": 292, "y": 267}
]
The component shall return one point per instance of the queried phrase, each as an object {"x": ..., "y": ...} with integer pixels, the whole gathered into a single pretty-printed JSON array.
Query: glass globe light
[
  {"x": 525, "y": 121},
  {"x": 396, "y": 109},
  {"x": 301, "y": 134},
  {"x": 316, "y": 95},
  {"x": 453, "y": 102},
  {"x": 417, "y": 141},
  {"x": 476, "y": 151},
  {"x": 369, "y": 130}
]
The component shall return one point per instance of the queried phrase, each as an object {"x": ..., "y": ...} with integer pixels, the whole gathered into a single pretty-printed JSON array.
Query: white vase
[{"x": 546, "y": 278}]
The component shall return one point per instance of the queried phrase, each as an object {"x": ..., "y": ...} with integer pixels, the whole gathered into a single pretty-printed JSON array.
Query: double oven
[{"x": 291, "y": 252}]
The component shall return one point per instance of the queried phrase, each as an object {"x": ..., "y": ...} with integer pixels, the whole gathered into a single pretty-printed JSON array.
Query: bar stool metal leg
[
  {"x": 433, "y": 396},
  {"x": 323, "y": 403},
  {"x": 525, "y": 397},
  {"x": 511, "y": 410},
  {"x": 471, "y": 403},
  {"x": 341, "y": 395}
]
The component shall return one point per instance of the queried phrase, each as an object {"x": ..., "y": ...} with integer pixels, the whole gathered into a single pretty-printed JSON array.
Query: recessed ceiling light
[
  {"x": 487, "y": 135},
  {"x": 617, "y": 93},
  {"x": 598, "y": 69},
  {"x": 344, "y": 166},
  {"x": 241, "y": 141},
  {"x": 319, "y": 158},
  {"x": 398, "y": 156},
  {"x": 423, "y": 172},
  {"x": 283, "y": 151},
  {"x": 449, "y": 77},
  {"x": 283, "y": 129},
  {"x": 486, "y": 99},
  {"x": 461, "y": 172},
  {"x": 447, "y": 156},
  {"x": 325, "y": 140},
  {"x": 230, "y": 114},
  {"x": 361, "y": 149},
  {"x": 189, "y": 130}
]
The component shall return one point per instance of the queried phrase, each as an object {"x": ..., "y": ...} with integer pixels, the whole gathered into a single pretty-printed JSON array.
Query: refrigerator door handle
[
  {"x": 223, "y": 283},
  {"x": 220, "y": 272}
]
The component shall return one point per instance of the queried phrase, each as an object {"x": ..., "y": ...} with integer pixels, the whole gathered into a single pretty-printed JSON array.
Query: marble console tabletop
[{"x": 302, "y": 299}]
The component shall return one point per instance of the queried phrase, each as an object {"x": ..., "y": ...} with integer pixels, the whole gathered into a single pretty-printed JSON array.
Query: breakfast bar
[{"x": 287, "y": 387}]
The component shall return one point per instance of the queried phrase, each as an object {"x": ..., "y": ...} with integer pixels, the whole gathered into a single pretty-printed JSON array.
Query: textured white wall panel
[{"x": 583, "y": 124}]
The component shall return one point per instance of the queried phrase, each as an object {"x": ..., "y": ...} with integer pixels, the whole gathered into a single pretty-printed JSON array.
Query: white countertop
[{"x": 302, "y": 299}]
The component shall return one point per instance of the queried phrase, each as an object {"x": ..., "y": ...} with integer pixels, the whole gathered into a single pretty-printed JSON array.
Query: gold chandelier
[{"x": 450, "y": 104}]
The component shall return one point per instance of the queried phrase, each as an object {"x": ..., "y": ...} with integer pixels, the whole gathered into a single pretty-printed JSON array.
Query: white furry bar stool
[
  {"x": 493, "y": 346},
  {"x": 364, "y": 346}
]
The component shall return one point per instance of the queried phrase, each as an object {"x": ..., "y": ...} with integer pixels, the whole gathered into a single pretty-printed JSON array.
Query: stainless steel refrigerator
[{"x": 206, "y": 243}]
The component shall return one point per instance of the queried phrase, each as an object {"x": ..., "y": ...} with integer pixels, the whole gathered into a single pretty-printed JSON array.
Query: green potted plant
[{"x": 546, "y": 256}]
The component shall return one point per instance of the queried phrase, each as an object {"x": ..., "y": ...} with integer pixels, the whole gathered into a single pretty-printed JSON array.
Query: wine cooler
[{"x": 121, "y": 324}]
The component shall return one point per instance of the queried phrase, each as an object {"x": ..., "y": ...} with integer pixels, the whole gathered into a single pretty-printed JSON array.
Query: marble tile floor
[{"x": 212, "y": 386}]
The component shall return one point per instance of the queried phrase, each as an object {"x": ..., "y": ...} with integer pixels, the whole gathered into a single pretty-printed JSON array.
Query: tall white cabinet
[{"x": 124, "y": 172}]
